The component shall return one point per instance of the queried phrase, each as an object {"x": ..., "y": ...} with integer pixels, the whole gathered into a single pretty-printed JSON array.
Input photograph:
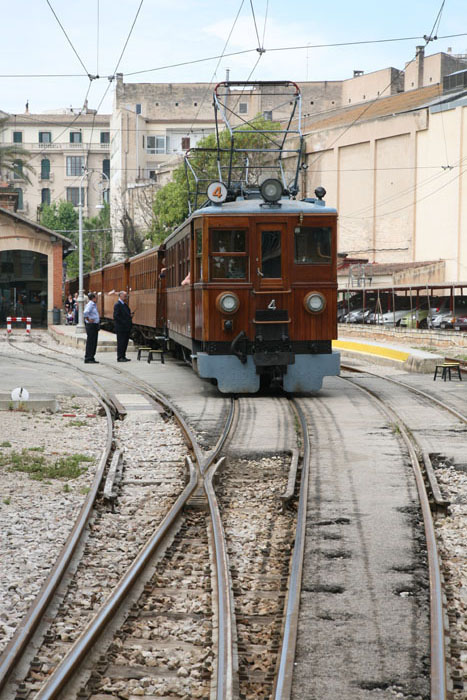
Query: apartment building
[{"x": 62, "y": 145}]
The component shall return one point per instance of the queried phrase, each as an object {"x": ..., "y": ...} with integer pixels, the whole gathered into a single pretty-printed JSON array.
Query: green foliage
[
  {"x": 97, "y": 243},
  {"x": 60, "y": 217},
  {"x": 171, "y": 201},
  {"x": 39, "y": 467},
  {"x": 7, "y": 500},
  {"x": 5, "y": 444}
]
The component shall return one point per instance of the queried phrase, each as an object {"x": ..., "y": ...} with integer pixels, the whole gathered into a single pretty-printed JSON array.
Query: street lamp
[{"x": 80, "y": 327}]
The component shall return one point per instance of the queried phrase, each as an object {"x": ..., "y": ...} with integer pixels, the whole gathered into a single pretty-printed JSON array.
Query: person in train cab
[
  {"x": 91, "y": 323},
  {"x": 123, "y": 323},
  {"x": 187, "y": 280}
]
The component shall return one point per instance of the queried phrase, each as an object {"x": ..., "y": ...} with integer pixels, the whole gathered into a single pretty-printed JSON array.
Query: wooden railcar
[
  {"x": 115, "y": 277},
  {"x": 252, "y": 293},
  {"x": 146, "y": 290}
]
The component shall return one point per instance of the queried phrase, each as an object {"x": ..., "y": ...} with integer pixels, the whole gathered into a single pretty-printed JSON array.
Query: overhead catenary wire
[
  {"x": 67, "y": 37},
  {"x": 231, "y": 54}
]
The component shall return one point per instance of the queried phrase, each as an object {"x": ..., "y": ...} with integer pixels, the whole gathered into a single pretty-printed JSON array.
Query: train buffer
[{"x": 445, "y": 369}]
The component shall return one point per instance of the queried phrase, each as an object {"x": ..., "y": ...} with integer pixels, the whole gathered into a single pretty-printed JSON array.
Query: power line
[
  {"x": 218, "y": 63},
  {"x": 128, "y": 37},
  {"x": 254, "y": 21},
  {"x": 229, "y": 55},
  {"x": 67, "y": 37}
]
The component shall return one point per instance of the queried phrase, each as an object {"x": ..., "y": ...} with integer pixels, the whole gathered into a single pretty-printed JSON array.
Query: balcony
[{"x": 59, "y": 146}]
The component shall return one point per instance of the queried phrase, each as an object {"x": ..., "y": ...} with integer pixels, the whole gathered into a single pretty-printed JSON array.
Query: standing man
[
  {"x": 123, "y": 324},
  {"x": 91, "y": 323}
]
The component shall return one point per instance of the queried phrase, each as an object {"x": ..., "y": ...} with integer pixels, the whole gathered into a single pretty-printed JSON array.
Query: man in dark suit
[{"x": 123, "y": 324}]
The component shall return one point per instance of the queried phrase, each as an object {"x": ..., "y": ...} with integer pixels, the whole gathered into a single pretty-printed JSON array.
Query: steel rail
[
  {"x": 83, "y": 644},
  {"x": 438, "y": 670},
  {"x": 413, "y": 389},
  {"x": 283, "y": 683},
  {"x": 227, "y": 658},
  {"x": 17, "y": 645}
]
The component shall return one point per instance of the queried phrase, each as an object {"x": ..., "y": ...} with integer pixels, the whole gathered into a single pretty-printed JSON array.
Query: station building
[{"x": 31, "y": 265}]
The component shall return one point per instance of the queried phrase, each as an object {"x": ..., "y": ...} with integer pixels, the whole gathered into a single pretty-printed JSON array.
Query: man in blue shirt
[
  {"x": 91, "y": 322},
  {"x": 123, "y": 323}
]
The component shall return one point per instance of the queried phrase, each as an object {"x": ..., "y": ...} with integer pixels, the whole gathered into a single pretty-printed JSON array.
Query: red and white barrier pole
[{"x": 18, "y": 319}]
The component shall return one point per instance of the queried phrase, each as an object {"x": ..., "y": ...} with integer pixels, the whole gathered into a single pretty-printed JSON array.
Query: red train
[{"x": 246, "y": 289}]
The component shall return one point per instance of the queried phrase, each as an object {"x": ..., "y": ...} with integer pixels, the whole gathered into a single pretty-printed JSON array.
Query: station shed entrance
[{"x": 31, "y": 266}]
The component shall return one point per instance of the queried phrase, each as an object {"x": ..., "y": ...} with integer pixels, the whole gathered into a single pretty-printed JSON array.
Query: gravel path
[{"x": 36, "y": 515}]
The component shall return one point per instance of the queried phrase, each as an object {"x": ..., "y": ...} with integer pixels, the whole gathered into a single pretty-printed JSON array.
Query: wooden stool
[
  {"x": 140, "y": 350},
  {"x": 157, "y": 352},
  {"x": 445, "y": 370}
]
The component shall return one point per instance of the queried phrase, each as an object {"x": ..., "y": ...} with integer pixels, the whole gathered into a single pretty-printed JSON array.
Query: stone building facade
[{"x": 61, "y": 145}]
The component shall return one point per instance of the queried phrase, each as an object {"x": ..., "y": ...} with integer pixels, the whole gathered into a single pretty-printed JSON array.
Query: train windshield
[
  {"x": 271, "y": 253},
  {"x": 312, "y": 245},
  {"x": 228, "y": 258}
]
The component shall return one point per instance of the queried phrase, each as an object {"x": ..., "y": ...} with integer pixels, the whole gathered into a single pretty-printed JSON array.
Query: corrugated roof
[{"x": 383, "y": 106}]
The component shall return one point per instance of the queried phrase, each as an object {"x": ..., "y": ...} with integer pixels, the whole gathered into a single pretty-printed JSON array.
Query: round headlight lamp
[
  {"x": 314, "y": 302},
  {"x": 227, "y": 302},
  {"x": 271, "y": 190}
]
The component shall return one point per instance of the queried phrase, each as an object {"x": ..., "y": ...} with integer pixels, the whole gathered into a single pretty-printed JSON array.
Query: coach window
[
  {"x": 228, "y": 258},
  {"x": 312, "y": 245},
  {"x": 271, "y": 254},
  {"x": 199, "y": 253}
]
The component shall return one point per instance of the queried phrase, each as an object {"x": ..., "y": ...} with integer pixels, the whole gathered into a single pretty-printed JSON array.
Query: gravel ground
[
  {"x": 451, "y": 531},
  {"x": 37, "y": 515}
]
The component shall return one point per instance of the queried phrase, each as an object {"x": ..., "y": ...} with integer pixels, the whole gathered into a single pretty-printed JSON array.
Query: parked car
[
  {"x": 424, "y": 315},
  {"x": 460, "y": 322},
  {"x": 390, "y": 318},
  {"x": 446, "y": 318},
  {"x": 356, "y": 316}
]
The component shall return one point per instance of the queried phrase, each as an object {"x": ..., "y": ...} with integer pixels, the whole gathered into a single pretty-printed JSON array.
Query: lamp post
[{"x": 80, "y": 327}]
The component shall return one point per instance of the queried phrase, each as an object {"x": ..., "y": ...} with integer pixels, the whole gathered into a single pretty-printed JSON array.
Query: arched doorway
[{"x": 23, "y": 285}]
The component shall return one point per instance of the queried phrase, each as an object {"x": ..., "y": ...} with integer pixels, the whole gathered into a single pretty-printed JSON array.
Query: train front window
[
  {"x": 271, "y": 254},
  {"x": 228, "y": 257},
  {"x": 312, "y": 245}
]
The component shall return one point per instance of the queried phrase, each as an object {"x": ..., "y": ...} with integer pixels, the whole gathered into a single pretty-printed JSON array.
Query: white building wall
[{"x": 441, "y": 205}]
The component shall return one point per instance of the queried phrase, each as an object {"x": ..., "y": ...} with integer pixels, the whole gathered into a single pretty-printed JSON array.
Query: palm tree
[{"x": 13, "y": 158}]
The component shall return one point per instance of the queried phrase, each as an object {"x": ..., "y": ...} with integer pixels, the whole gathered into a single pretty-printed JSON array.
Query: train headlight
[
  {"x": 314, "y": 302},
  {"x": 271, "y": 190},
  {"x": 227, "y": 302}
]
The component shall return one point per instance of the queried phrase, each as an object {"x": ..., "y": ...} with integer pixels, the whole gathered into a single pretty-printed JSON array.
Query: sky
[{"x": 168, "y": 32}]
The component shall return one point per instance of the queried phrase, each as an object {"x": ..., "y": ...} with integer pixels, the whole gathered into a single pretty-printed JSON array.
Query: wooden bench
[
  {"x": 445, "y": 369},
  {"x": 141, "y": 350}
]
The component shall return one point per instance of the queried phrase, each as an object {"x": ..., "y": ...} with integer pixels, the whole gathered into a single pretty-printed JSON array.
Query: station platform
[
  {"x": 67, "y": 335},
  {"x": 392, "y": 354}
]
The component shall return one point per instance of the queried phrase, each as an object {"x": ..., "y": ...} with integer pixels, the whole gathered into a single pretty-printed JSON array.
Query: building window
[
  {"x": 76, "y": 137},
  {"x": 267, "y": 116},
  {"x": 105, "y": 136},
  {"x": 185, "y": 143},
  {"x": 45, "y": 196},
  {"x": 138, "y": 109},
  {"x": 106, "y": 167},
  {"x": 45, "y": 169},
  {"x": 72, "y": 195},
  {"x": 20, "y": 197},
  {"x": 17, "y": 137},
  {"x": 45, "y": 137},
  {"x": 243, "y": 108},
  {"x": 18, "y": 170},
  {"x": 152, "y": 175},
  {"x": 74, "y": 165},
  {"x": 156, "y": 144}
]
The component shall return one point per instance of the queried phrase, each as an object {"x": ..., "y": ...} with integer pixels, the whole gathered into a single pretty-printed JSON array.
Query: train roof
[
  {"x": 247, "y": 207},
  {"x": 258, "y": 206}
]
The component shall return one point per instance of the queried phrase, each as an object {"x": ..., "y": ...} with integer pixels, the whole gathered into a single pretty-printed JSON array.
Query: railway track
[
  {"x": 432, "y": 503},
  {"x": 210, "y": 605},
  {"x": 181, "y": 580}
]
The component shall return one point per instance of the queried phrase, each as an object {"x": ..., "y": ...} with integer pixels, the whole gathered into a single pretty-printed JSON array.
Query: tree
[
  {"x": 97, "y": 239},
  {"x": 171, "y": 201},
  {"x": 13, "y": 158}
]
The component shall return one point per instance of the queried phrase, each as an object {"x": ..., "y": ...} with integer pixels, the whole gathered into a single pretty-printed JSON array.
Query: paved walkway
[{"x": 398, "y": 355}]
